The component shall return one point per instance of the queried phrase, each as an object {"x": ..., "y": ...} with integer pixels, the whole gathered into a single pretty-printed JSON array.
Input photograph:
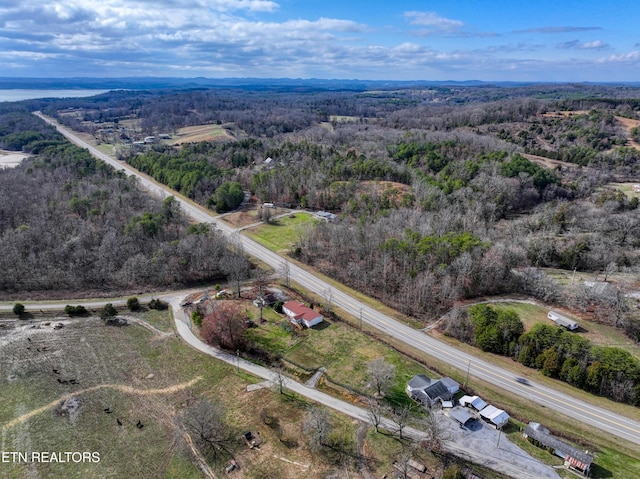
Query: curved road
[{"x": 585, "y": 412}]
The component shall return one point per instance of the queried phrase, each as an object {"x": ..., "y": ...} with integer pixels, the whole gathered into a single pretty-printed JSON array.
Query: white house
[
  {"x": 301, "y": 314},
  {"x": 561, "y": 320}
]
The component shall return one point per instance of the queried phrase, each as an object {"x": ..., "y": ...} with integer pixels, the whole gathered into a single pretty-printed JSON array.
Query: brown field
[
  {"x": 629, "y": 124},
  {"x": 140, "y": 374},
  {"x": 194, "y": 134}
]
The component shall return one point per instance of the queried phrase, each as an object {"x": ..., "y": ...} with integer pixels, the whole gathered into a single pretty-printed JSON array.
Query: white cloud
[
  {"x": 595, "y": 45},
  {"x": 576, "y": 44},
  {"x": 629, "y": 57},
  {"x": 561, "y": 29},
  {"x": 433, "y": 21}
]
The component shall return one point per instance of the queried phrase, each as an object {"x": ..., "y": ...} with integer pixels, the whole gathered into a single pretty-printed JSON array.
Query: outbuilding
[
  {"x": 573, "y": 457},
  {"x": 473, "y": 401},
  {"x": 562, "y": 320},
  {"x": 461, "y": 415},
  {"x": 495, "y": 416}
]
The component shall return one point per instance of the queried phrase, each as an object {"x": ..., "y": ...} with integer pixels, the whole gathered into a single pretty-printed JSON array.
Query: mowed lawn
[
  {"x": 346, "y": 353},
  {"x": 282, "y": 233}
]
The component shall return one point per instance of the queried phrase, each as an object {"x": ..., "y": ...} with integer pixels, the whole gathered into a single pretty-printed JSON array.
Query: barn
[{"x": 573, "y": 457}]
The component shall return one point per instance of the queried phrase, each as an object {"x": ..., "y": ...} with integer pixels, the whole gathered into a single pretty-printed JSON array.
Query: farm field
[
  {"x": 139, "y": 375},
  {"x": 197, "y": 133},
  {"x": 283, "y": 232}
]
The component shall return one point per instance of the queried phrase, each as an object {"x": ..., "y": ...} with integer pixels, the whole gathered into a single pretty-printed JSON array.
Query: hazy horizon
[{"x": 494, "y": 41}]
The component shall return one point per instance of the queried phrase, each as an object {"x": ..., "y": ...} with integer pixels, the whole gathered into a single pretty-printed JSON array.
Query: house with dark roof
[
  {"x": 573, "y": 457},
  {"x": 428, "y": 392},
  {"x": 300, "y": 314}
]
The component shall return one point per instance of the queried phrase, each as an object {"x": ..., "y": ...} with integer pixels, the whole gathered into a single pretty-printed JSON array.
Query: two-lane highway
[{"x": 594, "y": 416}]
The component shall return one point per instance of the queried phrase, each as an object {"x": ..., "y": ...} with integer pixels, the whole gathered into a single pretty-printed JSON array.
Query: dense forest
[
  {"x": 70, "y": 223},
  {"x": 443, "y": 192}
]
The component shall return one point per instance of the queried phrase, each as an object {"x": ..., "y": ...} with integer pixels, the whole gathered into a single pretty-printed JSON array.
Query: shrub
[
  {"x": 158, "y": 304},
  {"x": 18, "y": 309},
  {"x": 196, "y": 317},
  {"x": 108, "y": 311},
  {"x": 133, "y": 304},
  {"x": 78, "y": 310}
]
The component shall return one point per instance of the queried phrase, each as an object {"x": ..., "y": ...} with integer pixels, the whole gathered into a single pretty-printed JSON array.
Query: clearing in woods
[{"x": 194, "y": 134}]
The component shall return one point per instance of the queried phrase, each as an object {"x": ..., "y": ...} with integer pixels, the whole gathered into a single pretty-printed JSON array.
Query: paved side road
[{"x": 519, "y": 465}]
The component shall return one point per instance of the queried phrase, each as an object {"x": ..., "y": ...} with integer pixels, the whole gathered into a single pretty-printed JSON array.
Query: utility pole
[
  {"x": 466, "y": 381},
  {"x": 360, "y": 319}
]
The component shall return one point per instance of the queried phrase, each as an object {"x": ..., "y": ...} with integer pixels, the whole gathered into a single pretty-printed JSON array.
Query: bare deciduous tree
[
  {"x": 401, "y": 416},
  {"x": 436, "y": 430},
  {"x": 317, "y": 426},
  {"x": 375, "y": 411},
  {"x": 235, "y": 263},
  {"x": 381, "y": 374},
  {"x": 279, "y": 380},
  {"x": 207, "y": 425},
  {"x": 285, "y": 270}
]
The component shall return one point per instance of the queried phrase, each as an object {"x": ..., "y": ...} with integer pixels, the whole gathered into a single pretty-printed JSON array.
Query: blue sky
[{"x": 350, "y": 39}]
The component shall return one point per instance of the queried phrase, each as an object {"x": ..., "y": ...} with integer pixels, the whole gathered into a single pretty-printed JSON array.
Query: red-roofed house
[{"x": 301, "y": 314}]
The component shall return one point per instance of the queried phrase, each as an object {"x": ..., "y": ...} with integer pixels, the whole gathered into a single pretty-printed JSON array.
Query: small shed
[
  {"x": 461, "y": 415},
  {"x": 562, "y": 320},
  {"x": 325, "y": 215},
  {"x": 473, "y": 401},
  {"x": 495, "y": 416}
]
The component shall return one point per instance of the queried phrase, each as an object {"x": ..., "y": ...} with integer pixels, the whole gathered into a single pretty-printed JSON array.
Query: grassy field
[
  {"x": 282, "y": 233},
  {"x": 627, "y": 189},
  {"x": 598, "y": 334},
  {"x": 142, "y": 376},
  {"x": 197, "y": 133}
]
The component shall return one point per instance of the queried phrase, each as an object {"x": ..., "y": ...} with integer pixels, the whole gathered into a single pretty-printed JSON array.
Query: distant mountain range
[{"x": 156, "y": 83}]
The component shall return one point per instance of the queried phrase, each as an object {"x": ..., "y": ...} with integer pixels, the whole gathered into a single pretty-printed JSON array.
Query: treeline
[
  {"x": 69, "y": 222},
  {"x": 604, "y": 370}
]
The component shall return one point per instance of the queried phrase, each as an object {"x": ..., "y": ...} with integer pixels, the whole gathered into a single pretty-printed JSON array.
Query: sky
[{"x": 517, "y": 40}]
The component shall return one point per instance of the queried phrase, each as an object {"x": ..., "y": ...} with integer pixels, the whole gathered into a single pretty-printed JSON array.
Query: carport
[{"x": 461, "y": 415}]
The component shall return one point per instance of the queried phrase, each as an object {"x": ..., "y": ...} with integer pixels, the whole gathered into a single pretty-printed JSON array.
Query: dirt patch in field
[
  {"x": 549, "y": 163},
  {"x": 629, "y": 124},
  {"x": 198, "y": 133},
  {"x": 70, "y": 408},
  {"x": 242, "y": 218}
]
